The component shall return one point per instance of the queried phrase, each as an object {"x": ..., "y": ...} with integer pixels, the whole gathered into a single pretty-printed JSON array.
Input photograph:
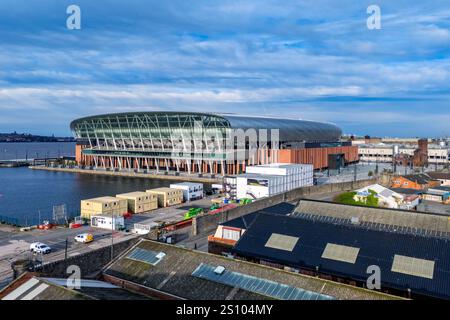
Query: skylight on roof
[
  {"x": 146, "y": 256},
  {"x": 413, "y": 266},
  {"x": 257, "y": 285},
  {"x": 281, "y": 242},
  {"x": 340, "y": 253}
]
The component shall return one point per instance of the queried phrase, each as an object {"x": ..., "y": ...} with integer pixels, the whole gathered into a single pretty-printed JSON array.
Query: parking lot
[{"x": 15, "y": 244}]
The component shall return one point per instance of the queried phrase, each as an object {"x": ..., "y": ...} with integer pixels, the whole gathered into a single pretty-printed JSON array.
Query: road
[
  {"x": 15, "y": 245},
  {"x": 169, "y": 214}
]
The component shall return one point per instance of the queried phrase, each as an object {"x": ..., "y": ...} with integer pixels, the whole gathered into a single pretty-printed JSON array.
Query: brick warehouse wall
[{"x": 208, "y": 223}]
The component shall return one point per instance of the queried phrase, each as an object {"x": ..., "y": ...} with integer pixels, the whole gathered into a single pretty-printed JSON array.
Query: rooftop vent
[
  {"x": 160, "y": 255},
  {"x": 219, "y": 270}
]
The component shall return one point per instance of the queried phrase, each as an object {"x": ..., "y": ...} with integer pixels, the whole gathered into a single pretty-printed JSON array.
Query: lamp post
[
  {"x": 65, "y": 252},
  {"x": 112, "y": 234}
]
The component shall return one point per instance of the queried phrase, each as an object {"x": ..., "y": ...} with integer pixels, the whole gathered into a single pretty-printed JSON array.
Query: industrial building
[
  {"x": 406, "y": 155},
  {"x": 103, "y": 205},
  {"x": 32, "y": 287},
  {"x": 412, "y": 265},
  {"x": 414, "y": 222},
  {"x": 191, "y": 190},
  {"x": 437, "y": 194},
  {"x": 204, "y": 142},
  {"x": 139, "y": 201},
  {"x": 167, "y": 196},
  {"x": 267, "y": 180},
  {"x": 170, "y": 272},
  {"x": 318, "y": 238},
  {"x": 443, "y": 177}
]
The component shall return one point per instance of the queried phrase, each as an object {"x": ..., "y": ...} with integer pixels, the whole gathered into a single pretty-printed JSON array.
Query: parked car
[
  {"x": 84, "y": 238},
  {"x": 39, "y": 247}
]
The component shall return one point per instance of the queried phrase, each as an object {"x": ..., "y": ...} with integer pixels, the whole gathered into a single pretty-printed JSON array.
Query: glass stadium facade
[{"x": 193, "y": 142}]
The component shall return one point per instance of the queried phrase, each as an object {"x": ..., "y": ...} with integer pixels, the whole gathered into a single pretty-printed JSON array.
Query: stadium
[{"x": 204, "y": 143}]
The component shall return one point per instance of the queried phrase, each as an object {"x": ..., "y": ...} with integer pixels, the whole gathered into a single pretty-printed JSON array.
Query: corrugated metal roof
[
  {"x": 245, "y": 221},
  {"x": 434, "y": 223},
  {"x": 281, "y": 242},
  {"x": 376, "y": 248}
]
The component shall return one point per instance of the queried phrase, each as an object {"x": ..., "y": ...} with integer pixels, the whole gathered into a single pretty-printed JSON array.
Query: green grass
[{"x": 347, "y": 198}]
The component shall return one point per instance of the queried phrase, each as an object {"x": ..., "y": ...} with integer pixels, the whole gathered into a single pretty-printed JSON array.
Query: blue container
[{"x": 225, "y": 201}]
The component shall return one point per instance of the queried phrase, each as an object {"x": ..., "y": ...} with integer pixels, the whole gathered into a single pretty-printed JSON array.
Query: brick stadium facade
[{"x": 145, "y": 141}]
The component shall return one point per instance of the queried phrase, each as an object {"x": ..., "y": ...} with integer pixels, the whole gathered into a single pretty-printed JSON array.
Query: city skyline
[{"x": 297, "y": 60}]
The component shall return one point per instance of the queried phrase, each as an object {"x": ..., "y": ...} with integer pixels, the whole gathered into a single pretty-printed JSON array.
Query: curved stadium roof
[{"x": 291, "y": 130}]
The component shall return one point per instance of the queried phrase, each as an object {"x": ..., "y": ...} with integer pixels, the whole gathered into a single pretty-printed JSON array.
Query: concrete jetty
[{"x": 132, "y": 174}]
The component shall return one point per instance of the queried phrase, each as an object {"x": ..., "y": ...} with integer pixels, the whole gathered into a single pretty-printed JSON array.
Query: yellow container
[
  {"x": 139, "y": 201},
  {"x": 167, "y": 196}
]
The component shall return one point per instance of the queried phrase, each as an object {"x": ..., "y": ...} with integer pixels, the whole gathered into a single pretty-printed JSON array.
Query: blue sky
[{"x": 299, "y": 59}]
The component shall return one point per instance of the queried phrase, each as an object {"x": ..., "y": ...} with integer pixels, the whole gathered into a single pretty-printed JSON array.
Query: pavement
[
  {"x": 151, "y": 174},
  {"x": 14, "y": 245},
  {"x": 169, "y": 214},
  {"x": 434, "y": 207}
]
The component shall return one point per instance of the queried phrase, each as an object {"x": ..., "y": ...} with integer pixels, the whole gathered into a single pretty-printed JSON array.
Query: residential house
[{"x": 386, "y": 197}]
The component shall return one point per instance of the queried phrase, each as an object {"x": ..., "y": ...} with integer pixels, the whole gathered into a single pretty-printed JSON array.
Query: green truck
[{"x": 192, "y": 213}]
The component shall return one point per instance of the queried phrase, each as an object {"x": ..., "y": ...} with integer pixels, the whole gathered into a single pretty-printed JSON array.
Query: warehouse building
[
  {"x": 170, "y": 272},
  {"x": 103, "y": 205},
  {"x": 412, "y": 265},
  {"x": 139, "y": 201},
  {"x": 32, "y": 287},
  {"x": 203, "y": 142},
  {"x": 167, "y": 196},
  {"x": 389, "y": 219},
  {"x": 443, "y": 177},
  {"x": 437, "y": 194},
  {"x": 229, "y": 232}
]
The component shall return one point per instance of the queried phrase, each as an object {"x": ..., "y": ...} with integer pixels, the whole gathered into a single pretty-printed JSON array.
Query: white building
[
  {"x": 386, "y": 197},
  {"x": 106, "y": 221},
  {"x": 267, "y": 180},
  {"x": 141, "y": 228},
  {"x": 191, "y": 190}
]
